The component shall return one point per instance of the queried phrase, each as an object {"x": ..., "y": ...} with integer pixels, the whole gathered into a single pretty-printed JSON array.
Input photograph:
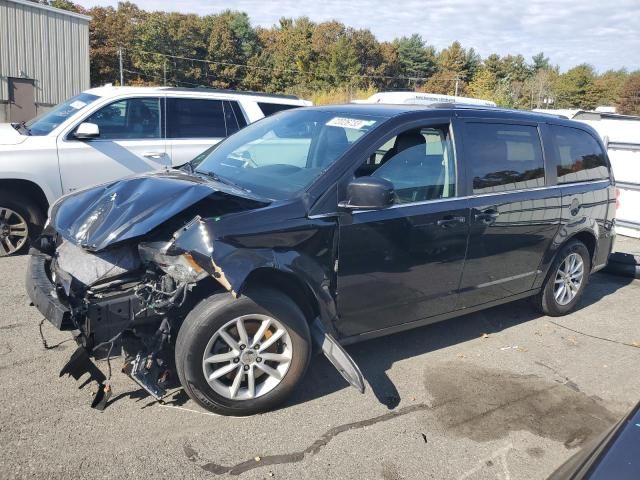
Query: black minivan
[{"x": 319, "y": 227}]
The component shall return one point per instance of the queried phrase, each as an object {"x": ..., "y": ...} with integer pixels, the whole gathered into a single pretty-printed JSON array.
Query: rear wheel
[
  {"x": 242, "y": 356},
  {"x": 566, "y": 281},
  {"x": 20, "y": 221}
]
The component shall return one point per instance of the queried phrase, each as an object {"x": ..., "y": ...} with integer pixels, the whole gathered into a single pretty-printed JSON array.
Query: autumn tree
[
  {"x": 629, "y": 101},
  {"x": 232, "y": 42}
]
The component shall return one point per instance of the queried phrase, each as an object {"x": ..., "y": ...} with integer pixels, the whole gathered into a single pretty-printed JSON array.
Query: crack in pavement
[
  {"x": 481, "y": 404},
  {"x": 312, "y": 449}
]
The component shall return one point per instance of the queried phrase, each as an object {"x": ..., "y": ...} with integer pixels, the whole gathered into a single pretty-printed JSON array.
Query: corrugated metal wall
[{"x": 50, "y": 47}]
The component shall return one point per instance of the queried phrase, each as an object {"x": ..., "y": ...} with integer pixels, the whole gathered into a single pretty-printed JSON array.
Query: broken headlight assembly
[{"x": 178, "y": 264}]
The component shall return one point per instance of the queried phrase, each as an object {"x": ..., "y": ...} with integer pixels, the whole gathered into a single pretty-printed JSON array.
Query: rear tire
[
  {"x": 562, "y": 291},
  {"x": 21, "y": 221},
  {"x": 250, "y": 384}
]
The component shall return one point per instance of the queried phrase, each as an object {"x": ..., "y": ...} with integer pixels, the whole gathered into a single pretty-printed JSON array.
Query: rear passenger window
[
  {"x": 271, "y": 108},
  {"x": 580, "y": 157},
  {"x": 195, "y": 118},
  {"x": 503, "y": 157}
]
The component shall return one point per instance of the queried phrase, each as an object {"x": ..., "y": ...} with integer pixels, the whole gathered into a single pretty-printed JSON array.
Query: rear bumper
[{"x": 43, "y": 295}]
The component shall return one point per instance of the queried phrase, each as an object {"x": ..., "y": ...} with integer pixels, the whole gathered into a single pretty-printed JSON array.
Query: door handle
[
  {"x": 450, "y": 220},
  {"x": 487, "y": 216},
  {"x": 154, "y": 155}
]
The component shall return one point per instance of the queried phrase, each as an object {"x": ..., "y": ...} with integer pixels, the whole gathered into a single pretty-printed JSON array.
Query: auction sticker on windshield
[
  {"x": 77, "y": 105},
  {"x": 345, "y": 122}
]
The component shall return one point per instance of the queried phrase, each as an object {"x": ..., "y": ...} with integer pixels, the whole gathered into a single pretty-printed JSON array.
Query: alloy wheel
[
  {"x": 247, "y": 357},
  {"x": 13, "y": 231},
  {"x": 568, "y": 279}
]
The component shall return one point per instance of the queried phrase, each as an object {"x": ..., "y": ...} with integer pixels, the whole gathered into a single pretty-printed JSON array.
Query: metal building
[{"x": 44, "y": 58}]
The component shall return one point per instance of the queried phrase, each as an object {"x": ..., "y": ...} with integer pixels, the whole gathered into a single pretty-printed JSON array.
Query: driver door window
[
  {"x": 134, "y": 118},
  {"x": 419, "y": 162}
]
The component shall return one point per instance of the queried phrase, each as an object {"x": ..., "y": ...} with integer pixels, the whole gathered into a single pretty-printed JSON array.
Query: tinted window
[
  {"x": 419, "y": 162},
  {"x": 580, "y": 157},
  {"x": 134, "y": 118},
  {"x": 503, "y": 157},
  {"x": 242, "y": 122},
  {"x": 195, "y": 118},
  {"x": 271, "y": 108},
  {"x": 230, "y": 118}
]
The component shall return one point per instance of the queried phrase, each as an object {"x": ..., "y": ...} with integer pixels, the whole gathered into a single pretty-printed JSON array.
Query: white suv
[{"x": 107, "y": 133}]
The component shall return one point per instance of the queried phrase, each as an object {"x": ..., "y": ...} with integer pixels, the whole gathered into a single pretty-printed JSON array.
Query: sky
[{"x": 605, "y": 34}]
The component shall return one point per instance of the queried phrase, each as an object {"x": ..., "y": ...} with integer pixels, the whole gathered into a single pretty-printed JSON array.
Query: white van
[
  {"x": 421, "y": 98},
  {"x": 107, "y": 133},
  {"x": 621, "y": 136}
]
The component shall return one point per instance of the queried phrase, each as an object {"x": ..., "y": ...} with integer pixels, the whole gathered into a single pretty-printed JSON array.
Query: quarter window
[
  {"x": 504, "y": 157},
  {"x": 271, "y": 108},
  {"x": 419, "y": 162},
  {"x": 195, "y": 118},
  {"x": 580, "y": 157},
  {"x": 134, "y": 118}
]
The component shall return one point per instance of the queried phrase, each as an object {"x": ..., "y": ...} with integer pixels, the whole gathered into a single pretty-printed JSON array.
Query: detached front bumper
[{"x": 44, "y": 296}]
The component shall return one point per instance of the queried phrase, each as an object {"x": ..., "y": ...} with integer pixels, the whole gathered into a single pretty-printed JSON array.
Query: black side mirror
[{"x": 368, "y": 193}]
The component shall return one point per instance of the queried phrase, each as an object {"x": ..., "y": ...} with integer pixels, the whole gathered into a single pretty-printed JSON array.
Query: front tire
[
  {"x": 21, "y": 220},
  {"x": 243, "y": 356},
  {"x": 567, "y": 278}
]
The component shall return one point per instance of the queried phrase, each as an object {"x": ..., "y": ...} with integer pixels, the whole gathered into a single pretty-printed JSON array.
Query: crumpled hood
[
  {"x": 100, "y": 216},
  {"x": 10, "y": 136}
]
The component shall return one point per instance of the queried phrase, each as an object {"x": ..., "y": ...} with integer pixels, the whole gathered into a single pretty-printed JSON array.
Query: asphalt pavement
[{"x": 501, "y": 394}]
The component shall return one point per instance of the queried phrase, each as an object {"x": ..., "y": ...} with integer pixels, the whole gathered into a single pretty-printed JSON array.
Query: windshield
[
  {"x": 44, "y": 124},
  {"x": 282, "y": 155}
]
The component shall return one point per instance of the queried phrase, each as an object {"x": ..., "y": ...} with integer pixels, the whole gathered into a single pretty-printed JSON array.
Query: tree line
[{"x": 328, "y": 61}]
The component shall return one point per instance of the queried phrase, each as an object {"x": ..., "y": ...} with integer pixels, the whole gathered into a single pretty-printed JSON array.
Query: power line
[{"x": 284, "y": 70}]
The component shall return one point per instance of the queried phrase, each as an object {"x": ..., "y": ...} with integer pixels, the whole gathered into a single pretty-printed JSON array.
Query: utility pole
[
  {"x": 165, "y": 74},
  {"x": 121, "y": 72},
  {"x": 455, "y": 94}
]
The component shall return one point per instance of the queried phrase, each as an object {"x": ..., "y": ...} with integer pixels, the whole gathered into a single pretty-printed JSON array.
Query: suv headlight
[{"x": 180, "y": 265}]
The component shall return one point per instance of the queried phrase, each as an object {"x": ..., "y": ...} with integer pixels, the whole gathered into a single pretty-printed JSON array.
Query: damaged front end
[
  {"x": 127, "y": 299},
  {"x": 108, "y": 269}
]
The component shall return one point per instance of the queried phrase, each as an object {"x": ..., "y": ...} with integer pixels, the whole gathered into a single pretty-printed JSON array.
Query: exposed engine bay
[{"x": 128, "y": 299}]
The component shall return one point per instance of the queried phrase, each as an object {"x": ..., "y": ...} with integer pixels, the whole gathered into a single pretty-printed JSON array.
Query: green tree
[
  {"x": 416, "y": 59},
  {"x": 573, "y": 89},
  {"x": 540, "y": 62},
  {"x": 484, "y": 85}
]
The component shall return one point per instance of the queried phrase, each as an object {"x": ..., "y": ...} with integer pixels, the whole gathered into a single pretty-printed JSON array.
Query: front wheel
[
  {"x": 566, "y": 281},
  {"x": 20, "y": 221},
  {"x": 243, "y": 356}
]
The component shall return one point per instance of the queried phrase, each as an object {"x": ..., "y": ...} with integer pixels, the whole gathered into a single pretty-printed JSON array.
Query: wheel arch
[
  {"x": 289, "y": 284},
  {"x": 586, "y": 236},
  {"x": 26, "y": 188}
]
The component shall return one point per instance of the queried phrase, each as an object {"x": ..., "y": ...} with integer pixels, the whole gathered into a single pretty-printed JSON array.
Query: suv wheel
[
  {"x": 566, "y": 281},
  {"x": 20, "y": 221},
  {"x": 242, "y": 356}
]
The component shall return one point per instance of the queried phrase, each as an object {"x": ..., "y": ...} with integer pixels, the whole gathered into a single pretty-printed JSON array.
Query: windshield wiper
[
  {"x": 224, "y": 180},
  {"x": 21, "y": 125}
]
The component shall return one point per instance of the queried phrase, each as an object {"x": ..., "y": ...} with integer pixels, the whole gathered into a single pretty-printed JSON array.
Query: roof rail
[
  {"x": 459, "y": 105},
  {"x": 229, "y": 91}
]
